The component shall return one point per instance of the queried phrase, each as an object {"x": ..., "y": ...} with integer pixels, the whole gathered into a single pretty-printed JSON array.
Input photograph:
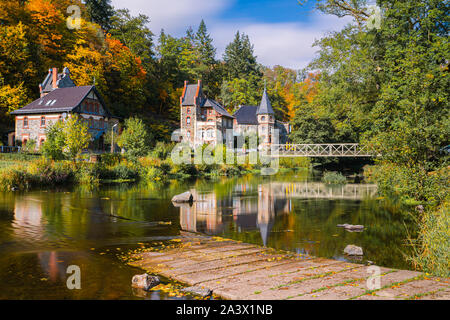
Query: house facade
[
  {"x": 60, "y": 99},
  {"x": 202, "y": 118}
]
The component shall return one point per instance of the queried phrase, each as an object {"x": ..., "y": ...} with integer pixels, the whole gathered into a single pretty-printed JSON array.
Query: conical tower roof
[{"x": 265, "y": 107}]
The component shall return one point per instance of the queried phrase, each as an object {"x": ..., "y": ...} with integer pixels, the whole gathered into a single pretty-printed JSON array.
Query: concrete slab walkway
[{"x": 240, "y": 271}]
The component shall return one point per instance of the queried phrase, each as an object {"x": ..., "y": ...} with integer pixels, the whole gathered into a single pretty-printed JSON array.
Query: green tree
[
  {"x": 101, "y": 12},
  {"x": 55, "y": 142},
  {"x": 133, "y": 32},
  {"x": 204, "y": 46},
  {"x": 240, "y": 61},
  {"x": 76, "y": 137},
  {"x": 135, "y": 139}
]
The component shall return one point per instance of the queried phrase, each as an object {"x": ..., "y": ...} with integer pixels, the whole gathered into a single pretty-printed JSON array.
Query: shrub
[
  {"x": 154, "y": 174},
  {"x": 184, "y": 169},
  {"x": 409, "y": 182},
  {"x": 334, "y": 178},
  {"x": 124, "y": 172},
  {"x": 432, "y": 253},
  {"x": 162, "y": 150},
  {"x": 110, "y": 159},
  {"x": 30, "y": 146},
  {"x": 88, "y": 174},
  {"x": 54, "y": 143},
  {"x": 15, "y": 179},
  {"x": 135, "y": 138},
  {"x": 298, "y": 162}
]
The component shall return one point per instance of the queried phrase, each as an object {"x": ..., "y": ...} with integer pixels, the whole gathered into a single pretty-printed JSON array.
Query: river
[{"x": 44, "y": 232}]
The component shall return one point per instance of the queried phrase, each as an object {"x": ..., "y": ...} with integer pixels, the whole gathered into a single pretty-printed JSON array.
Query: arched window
[
  {"x": 188, "y": 120},
  {"x": 188, "y": 110},
  {"x": 263, "y": 118},
  {"x": 25, "y": 122}
]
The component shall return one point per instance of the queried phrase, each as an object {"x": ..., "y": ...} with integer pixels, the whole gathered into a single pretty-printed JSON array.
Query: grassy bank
[
  {"x": 427, "y": 193},
  {"x": 25, "y": 172}
]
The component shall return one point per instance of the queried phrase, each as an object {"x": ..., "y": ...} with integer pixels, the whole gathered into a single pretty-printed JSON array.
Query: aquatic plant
[{"x": 331, "y": 177}]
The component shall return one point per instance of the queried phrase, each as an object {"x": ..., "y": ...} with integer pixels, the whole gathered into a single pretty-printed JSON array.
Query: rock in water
[
  {"x": 183, "y": 197},
  {"x": 144, "y": 281},
  {"x": 351, "y": 227},
  {"x": 200, "y": 291},
  {"x": 353, "y": 250}
]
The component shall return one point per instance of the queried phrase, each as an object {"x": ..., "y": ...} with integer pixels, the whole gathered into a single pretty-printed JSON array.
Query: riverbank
[
  {"x": 242, "y": 271},
  {"x": 26, "y": 172}
]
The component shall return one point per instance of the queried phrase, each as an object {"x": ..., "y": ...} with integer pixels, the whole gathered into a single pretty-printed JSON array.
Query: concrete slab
[{"x": 235, "y": 270}]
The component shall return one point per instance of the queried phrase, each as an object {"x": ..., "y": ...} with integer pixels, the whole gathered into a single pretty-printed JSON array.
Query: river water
[{"x": 44, "y": 232}]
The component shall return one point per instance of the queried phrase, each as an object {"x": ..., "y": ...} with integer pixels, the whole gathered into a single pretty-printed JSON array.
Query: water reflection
[
  {"x": 301, "y": 217},
  {"x": 252, "y": 207},
  {"x": 42, "y": 233}
]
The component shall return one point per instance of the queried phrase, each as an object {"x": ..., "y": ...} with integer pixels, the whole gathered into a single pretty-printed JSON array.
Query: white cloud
[
  {"x": 286, "y": 44},
  {"x": 174, "y": 16}
]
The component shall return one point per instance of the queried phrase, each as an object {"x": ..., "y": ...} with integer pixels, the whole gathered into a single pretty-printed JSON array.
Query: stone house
[
  {"x": 201, "y": 117},
  {"x": 61, "y": 98}
]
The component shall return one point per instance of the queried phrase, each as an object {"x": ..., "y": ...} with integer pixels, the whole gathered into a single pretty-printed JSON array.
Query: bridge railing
[{"x": 319, "y": 150}]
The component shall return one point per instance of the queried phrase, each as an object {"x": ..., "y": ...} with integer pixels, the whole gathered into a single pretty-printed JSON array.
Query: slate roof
[
  {"x": 59, "y": 100},
  {"x": 63, "y": 81},
  {"x": 246, "y": 115},
  {"x": 189, "y": 96},
  {"x": 217, "y": 107},
  {"x": 265, "y": 107}
]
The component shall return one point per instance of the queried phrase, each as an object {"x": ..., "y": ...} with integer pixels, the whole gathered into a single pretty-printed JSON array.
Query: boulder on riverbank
[
  {"x": 200, "y": 291},
  {"x": 351, "y": 227},
  {"x": 183, "y": 197},
  {"x": 353, "y": 250},
  {"x": 144, "y": 281}
]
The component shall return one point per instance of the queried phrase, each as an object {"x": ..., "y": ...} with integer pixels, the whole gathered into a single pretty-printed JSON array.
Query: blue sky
[{"x": 282, "y": 31}]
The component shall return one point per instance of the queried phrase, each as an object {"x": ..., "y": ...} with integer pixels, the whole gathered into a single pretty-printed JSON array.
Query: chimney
[
  {"x": 184, "y": 91},
  {"x": 55, "y": 78},
  {"x": 196, "y": 98}
]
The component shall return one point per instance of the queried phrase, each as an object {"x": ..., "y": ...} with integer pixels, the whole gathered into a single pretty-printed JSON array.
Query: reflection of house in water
[
  {"x": 203, "y": 215},
  {"x": 29, "y": 225},
  {"x": 27, "y": 219},
  {"x": 250, "y": 211}
]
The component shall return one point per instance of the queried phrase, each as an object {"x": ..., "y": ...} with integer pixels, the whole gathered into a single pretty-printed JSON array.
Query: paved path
[{"x": 240, "y": 271}]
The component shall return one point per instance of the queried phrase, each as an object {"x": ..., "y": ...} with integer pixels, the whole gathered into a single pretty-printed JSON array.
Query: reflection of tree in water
[{"x": 281, "y": 215}]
